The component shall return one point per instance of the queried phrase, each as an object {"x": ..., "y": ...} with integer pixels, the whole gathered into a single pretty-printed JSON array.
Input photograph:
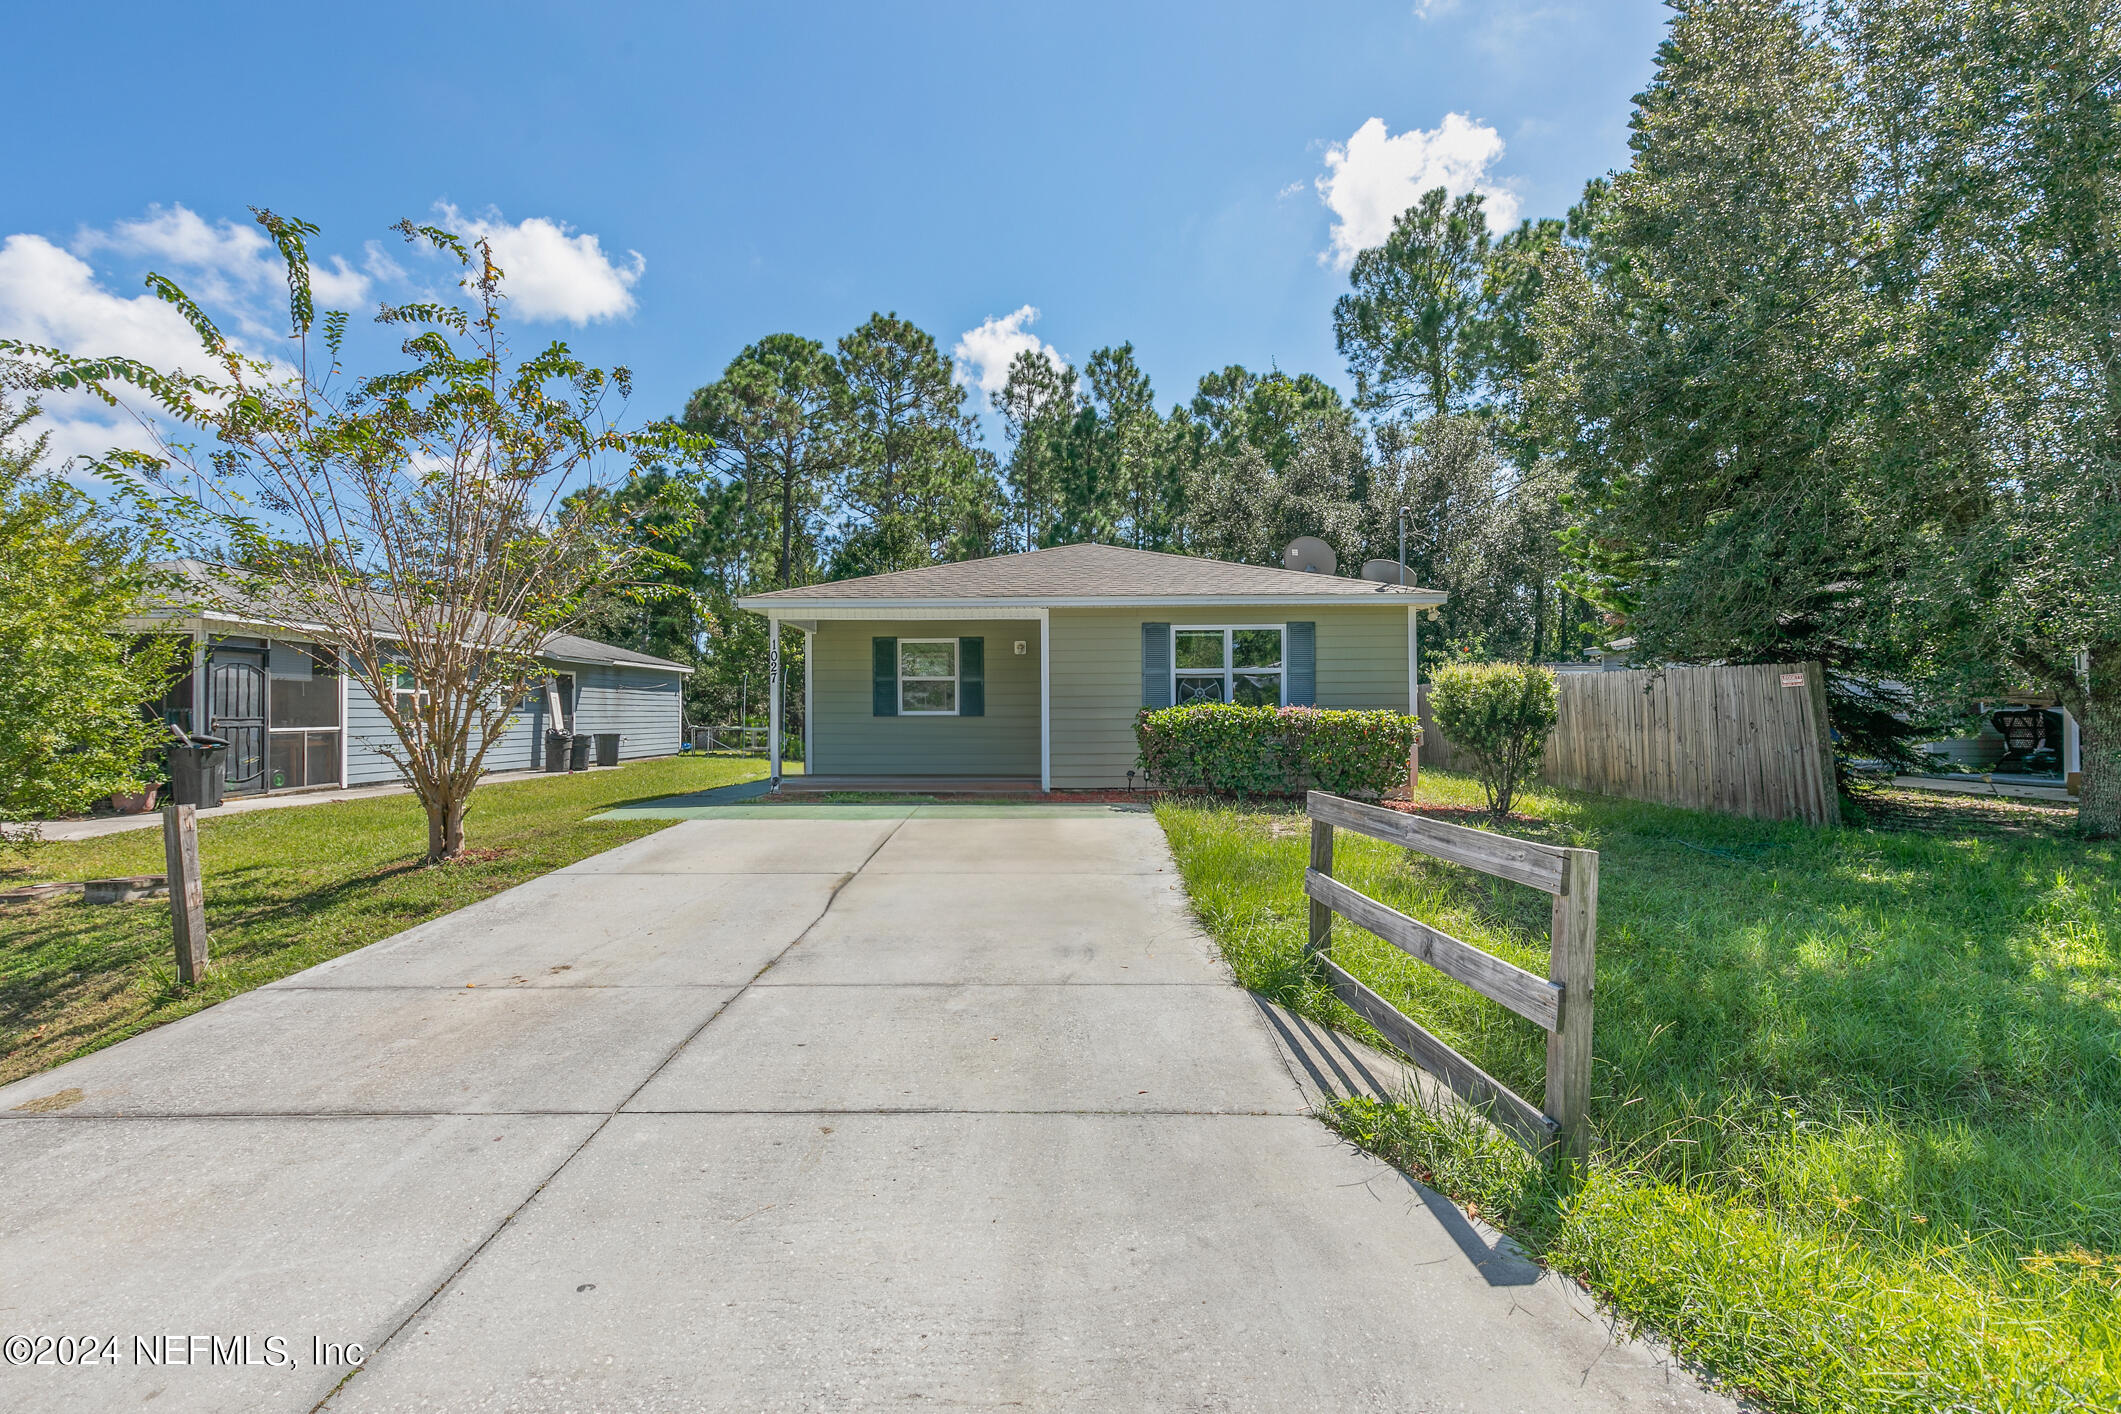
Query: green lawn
[
  {"x": 286, "y": 889},
  {"x": 1858, "y": 1091}
]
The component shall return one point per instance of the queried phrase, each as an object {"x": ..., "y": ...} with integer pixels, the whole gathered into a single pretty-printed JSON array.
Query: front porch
[
  {"x": 911, "y": 785},
  {"x": 930, "y": 703}
]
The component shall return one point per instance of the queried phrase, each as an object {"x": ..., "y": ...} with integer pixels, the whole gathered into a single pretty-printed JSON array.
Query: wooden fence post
[
  {"x": 1829, "y": 803},
  {"x": 1321, "y": 914},
  {"x": 187, "y": 899},
  {"x": 1574, "y": 964}
]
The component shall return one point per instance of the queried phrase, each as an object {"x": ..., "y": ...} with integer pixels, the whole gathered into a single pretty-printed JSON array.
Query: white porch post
[
  {"x": 198, "y": 681},
  {"x": 809, "y": 652},
  {"x": 1413, "y": 693},
  {"x": 773, "y": 703},
  {"x": 1045, "y": 700}
]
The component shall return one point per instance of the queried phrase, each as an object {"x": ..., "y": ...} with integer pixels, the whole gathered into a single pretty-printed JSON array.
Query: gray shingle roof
[
  {"x": 193, "y": 586},
  {"x": 1097, "y": 572},
  {"x": 570, "y": 648}
]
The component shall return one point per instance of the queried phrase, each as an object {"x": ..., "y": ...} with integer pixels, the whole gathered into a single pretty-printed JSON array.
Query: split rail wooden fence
[{"x": 1560, "y": 1001}]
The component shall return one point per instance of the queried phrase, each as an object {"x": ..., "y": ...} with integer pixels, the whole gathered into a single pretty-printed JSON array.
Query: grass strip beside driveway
[
  {"x": 1857, "y": 1091},
  {"x": 285, "y": 890}
]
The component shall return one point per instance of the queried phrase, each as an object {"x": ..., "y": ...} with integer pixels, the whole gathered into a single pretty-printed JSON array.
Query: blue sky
[{"x": 674, "y": 182}]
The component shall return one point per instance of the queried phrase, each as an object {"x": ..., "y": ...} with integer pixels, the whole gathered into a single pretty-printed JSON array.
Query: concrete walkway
[
  {"x": 95, "y": 826},
  {"x": 785, "y": 1111}
]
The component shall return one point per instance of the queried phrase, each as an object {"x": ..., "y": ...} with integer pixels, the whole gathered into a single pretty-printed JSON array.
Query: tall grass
[{"x": 1857, "y": 1092}]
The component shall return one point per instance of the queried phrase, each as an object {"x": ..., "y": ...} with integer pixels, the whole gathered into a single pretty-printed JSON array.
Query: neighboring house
[
  {"x": 274, "y": 690},
  {"x": 1030, "y": 668}
]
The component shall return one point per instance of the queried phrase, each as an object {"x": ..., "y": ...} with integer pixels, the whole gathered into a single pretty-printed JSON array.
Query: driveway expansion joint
[{"x": 840, "y": 882}]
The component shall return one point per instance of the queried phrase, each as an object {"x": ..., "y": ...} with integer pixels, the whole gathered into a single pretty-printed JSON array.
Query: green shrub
[
  {"x": 1247, "y": 751},
  {"x": 1500, "y": 715}
]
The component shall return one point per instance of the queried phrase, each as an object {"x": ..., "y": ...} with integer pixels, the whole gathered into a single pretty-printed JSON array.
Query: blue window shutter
[
  {"x": 1156, "y": 665},
  {"x": 883, "y": 695},
  {"x": 1300, "y": 644},
  {"x": 972, "y": 677}
]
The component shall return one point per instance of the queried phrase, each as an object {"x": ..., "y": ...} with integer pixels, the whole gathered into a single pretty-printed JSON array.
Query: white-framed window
[
  {"x": 1243, "y": 663},
  {"x": 406, "y": 692},
  {"x": 927, "y": 677}
]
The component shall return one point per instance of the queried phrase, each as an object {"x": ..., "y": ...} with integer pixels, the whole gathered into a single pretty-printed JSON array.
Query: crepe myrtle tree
[{"x": 439, "y": 520}]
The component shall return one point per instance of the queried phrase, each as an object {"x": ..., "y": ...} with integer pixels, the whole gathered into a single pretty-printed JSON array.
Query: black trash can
[
  {"x": 578, "y": 757},
  {"x": 607, "y": 748},
  {"x": 198, "y": 771},
  {"x": 556, "y": 749}
]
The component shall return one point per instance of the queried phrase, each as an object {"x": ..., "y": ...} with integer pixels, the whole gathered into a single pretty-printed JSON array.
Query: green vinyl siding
[
  {"x": 848, "y": 738},
  {"x": 1361, "y": 659}
]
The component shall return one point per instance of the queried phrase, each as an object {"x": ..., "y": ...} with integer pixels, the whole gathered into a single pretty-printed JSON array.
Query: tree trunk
[
  {"x": 445, "y": 829},
  {"x": 1539, "y": 617},
  {"x": 787, "y": 522},
  {"x": 2099, "y": 736}
]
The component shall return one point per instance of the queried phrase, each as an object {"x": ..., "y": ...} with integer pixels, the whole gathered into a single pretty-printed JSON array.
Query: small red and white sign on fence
[{"x": 1793, "y": 679}]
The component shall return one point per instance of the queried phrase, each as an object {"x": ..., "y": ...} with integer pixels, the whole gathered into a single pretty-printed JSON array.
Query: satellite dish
[
  {"x": 1386, "y": 572},
  {"x": 1307, "y": 554}
]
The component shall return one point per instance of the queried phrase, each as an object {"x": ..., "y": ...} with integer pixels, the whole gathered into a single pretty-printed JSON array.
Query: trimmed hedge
[{"x": 1246, "y": 751}]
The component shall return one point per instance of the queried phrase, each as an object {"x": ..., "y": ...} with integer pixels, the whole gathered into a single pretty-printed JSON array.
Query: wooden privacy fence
[
  {"x": 1560, "y": 1001},
  {"x": 1742, "y": 741}
]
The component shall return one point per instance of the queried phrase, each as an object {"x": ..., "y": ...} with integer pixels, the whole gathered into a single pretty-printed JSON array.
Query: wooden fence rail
[
  {"x": 1749, "y": 740},
  {"x": 1560, "y": 1002}
]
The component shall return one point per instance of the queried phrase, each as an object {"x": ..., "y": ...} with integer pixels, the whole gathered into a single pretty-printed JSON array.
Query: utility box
[
  {"x": 198, "y": 772},
  {"x": 607, "y": 748}
]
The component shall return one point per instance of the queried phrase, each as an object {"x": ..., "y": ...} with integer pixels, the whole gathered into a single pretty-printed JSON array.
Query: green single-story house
[{"x": 1026, "y": 671}]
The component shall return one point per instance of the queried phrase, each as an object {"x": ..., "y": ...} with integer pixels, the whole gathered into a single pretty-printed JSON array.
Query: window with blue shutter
[
  {"x": 972, "y": 677},
  {"x": 1156, "y": 665},
  {"x": 883, "y": 673},
  {"x": 1302, "y": 664}
]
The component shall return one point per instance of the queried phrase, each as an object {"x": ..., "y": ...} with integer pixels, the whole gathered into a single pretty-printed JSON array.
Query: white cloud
[
  {"x": 549, "y": 272},
  {"x": 1511, "y": 31},
  {"x": 90, "y": 435},
  {"x": 1430, "y": 9},
  {"x": 341, "y": 287},
  {"x": 380, "y": 266},
  {"x": 1372, "y": 177},
  {"x": 983, "y": 355},
  {"x": 228, "y": 264},
  {"x": 50, "y": 296},
  {"x": 221, "y": 262}
]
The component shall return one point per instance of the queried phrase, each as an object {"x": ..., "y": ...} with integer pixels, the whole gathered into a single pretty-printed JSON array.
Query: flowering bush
[{"x": 1274, "y": 751}]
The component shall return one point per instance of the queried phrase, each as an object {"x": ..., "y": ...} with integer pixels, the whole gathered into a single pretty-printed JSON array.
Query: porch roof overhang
[{"x": 792, "y": 610}]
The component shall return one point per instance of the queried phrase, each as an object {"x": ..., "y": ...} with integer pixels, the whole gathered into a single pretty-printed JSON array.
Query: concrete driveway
[{"x": 785, "y": 1109}]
